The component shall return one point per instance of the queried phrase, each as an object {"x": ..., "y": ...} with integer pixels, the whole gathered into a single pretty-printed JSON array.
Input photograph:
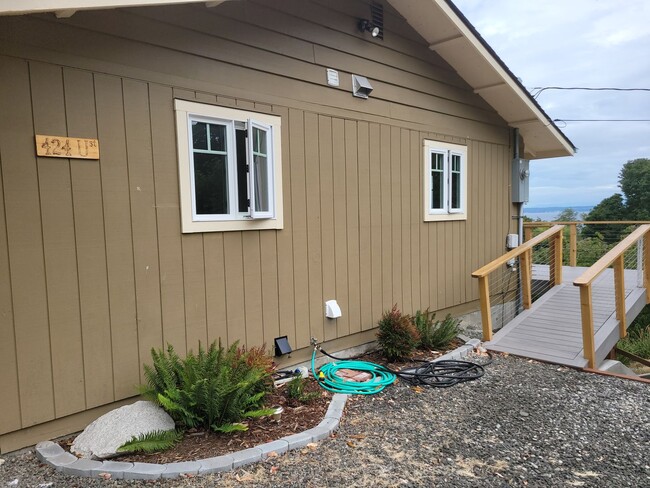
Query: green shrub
[
  {"x": 397, "y": 336},
  {"x": 641, "y": 322},
  {"x": 435, "y": 334},
  {"x": 214, "y": 389},
  {"x": 637, "y": 342},
  {"x": 296, "y": 390}
]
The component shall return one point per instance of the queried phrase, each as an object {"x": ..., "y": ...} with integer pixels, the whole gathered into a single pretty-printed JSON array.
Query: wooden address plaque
[{"x": 67, "y": 147}]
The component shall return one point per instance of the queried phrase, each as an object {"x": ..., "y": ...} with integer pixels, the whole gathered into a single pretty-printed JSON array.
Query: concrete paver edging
[{"x": 51, "y": 453}]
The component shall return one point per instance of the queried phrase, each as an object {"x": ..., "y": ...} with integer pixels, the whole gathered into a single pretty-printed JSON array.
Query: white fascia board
[{"x": 22, "y": 7}]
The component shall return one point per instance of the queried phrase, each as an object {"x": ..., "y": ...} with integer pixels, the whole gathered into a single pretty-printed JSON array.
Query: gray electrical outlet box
[{"x": 520, "y": 180}]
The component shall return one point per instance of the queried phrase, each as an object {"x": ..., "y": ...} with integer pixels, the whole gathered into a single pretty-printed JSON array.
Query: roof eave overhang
[
  {"x": 452, "y": 36},
  {"x": 448, "y": 33},
  {"x": 66, "y": 8}
]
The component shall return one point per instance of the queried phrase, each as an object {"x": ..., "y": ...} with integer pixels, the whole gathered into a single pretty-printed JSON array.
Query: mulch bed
[
  {"x": 200, "y": 444},
  {"x": 297, "y": 417}
]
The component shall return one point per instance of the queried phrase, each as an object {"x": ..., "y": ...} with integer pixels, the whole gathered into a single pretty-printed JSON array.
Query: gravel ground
[{"x": 522, "y": 424}]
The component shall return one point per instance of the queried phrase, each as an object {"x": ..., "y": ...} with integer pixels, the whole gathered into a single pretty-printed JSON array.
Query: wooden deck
[{"x": 551, "y": 329}]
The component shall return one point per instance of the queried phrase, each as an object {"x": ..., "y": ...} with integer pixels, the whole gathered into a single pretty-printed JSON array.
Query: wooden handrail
[
  {"x": 492, "y": 265},
  {"x": 615, "y": 256},
  {"x": 608, "y": 259},
  {"x": 573, "y": 232},
  {"x": 525, "y": 251}
]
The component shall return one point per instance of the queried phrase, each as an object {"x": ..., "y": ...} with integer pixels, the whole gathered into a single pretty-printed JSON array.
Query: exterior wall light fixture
[{"x": 367, "y": 26}]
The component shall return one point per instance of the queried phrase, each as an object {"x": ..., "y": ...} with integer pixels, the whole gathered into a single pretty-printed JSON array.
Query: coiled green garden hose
[
  {"x": 329, "y": 380},
  {"x": 437, "y": 374}
]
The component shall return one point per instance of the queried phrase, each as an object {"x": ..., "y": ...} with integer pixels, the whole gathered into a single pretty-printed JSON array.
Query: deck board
[{"x": 551, "y": 330}]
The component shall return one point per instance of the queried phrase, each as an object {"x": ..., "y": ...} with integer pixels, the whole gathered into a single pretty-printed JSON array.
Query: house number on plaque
[{"x": 67, "y": 147}]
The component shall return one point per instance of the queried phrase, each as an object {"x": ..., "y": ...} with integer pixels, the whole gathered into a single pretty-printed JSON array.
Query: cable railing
[
  {"x": 632, "y": 253},
  {"x": 586, "y": 241},
  {"x": 510, "y": 284}
]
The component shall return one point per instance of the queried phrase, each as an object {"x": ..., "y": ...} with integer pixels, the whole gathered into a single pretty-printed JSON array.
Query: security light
[{"x": 367, "y": 26}]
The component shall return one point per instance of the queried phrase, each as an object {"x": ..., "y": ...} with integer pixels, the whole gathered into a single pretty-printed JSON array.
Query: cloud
[{"x": 593, "y": 43}]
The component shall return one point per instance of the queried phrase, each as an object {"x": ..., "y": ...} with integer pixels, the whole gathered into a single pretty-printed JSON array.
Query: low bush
[
  {"x": 641, "y": 322},
  {"x": 214, "y": 389},
  {"x": 637, "y": 342},
  {"x": 296, "y": 390},
  {"x": 397, "y": 336},
  {"x": 435, "y": 334}
]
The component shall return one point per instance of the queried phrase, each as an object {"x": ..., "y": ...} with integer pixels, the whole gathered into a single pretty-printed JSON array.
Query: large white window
[
  {"x": 445, "y": 181},
  {"x": 230, "y": 168}
]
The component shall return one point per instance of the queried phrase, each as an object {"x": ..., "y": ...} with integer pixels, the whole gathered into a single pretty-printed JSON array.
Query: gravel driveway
[{"x": 522, "y": 424}]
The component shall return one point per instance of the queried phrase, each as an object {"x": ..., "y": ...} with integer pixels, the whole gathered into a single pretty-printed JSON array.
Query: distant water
[{"x": 548, "y": 214}]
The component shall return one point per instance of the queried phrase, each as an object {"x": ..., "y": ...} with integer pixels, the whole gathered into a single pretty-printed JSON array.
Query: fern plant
[
  {"x": 214, "y": 389},
  {"x": 158, "y": 440},
  {"x": 435, "y": 334},
  {"x": 397, "y": 336}
]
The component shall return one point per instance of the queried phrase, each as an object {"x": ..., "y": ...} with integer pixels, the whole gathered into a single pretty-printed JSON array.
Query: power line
[
  {"x": 601, "y": 120},
  {"x": 562, "y": 123},
  {"x": 541, "y": 89}
]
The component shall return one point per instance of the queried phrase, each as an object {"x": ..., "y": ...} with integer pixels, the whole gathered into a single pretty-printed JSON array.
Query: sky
[{"x": 590, "y": 43}]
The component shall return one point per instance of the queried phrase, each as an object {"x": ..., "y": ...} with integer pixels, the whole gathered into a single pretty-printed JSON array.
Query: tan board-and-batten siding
[{"x": 94, "y": 270}]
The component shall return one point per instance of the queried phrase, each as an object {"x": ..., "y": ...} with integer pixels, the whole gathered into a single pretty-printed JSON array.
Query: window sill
[
  {"x": 445, "y": 217},
  {"x": 232, "y": 225}
]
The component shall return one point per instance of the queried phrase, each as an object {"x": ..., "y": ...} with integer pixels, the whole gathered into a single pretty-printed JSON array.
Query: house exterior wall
[{"x": 94, "y": 269}]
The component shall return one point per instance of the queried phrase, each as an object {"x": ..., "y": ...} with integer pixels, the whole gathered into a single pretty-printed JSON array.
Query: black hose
[{"x": 442, "y": 374}]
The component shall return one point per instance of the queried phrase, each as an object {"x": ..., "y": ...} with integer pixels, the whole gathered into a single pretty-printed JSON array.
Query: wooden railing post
[
  {"x": 528, "y": 234},
  {"x": 619, "y": 292},
  {"x": 587, "y": 325},
  {"x": 555, "y": 267},
  {"x": 525, "y": 264},
  {"x": 486, "y": 313},
  {"x": 573, "y": 245}
]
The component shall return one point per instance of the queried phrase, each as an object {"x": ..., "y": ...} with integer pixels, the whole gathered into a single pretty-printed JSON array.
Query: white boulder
[{"x": 101, "y": 439}]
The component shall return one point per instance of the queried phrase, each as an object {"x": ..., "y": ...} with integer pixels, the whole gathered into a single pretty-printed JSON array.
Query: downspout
[
  {"x": 520, "y": 227},
  {"x": 520, "y": 206}
]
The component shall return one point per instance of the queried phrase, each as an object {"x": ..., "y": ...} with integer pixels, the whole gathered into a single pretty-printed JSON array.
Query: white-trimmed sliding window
[
  {"x": 445, "y": 181},
  {"x": 230, "y": 168}
]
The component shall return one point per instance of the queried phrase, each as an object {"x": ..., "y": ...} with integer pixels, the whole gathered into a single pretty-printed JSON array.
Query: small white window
[
  {"x": 445, "y": 181},
  {"x": 229, "y": 168}
]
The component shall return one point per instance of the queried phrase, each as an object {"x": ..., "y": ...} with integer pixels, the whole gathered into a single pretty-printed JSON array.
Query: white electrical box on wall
[{"x": 512, "y": 241}]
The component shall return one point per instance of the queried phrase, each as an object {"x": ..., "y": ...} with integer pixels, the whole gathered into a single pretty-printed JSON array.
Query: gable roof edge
[
  {"x": 456, "y": 40},
  {"x": 520, "y": 88}
]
